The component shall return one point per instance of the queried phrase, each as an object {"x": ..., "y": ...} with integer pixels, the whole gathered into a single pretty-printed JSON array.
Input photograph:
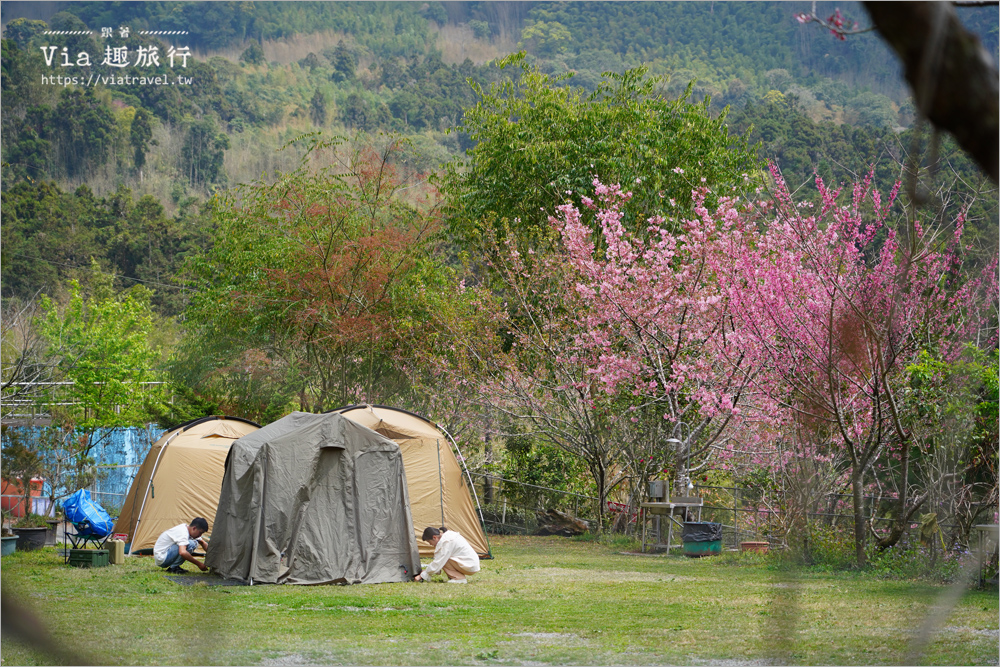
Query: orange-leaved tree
[{"x": 315, "y": 283}]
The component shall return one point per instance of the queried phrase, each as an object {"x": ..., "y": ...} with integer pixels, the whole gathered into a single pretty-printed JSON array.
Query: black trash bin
[{"x": 701, "y": 538}]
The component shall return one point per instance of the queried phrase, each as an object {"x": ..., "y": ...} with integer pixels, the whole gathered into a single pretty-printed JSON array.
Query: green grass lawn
[{"x": 539, "y": 601}]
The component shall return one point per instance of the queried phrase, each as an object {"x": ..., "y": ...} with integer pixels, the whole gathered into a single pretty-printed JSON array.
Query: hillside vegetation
[{"x": 264, "y": 73}]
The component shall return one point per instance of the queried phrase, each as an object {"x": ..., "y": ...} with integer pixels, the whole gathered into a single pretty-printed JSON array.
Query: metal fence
[
  {"x": 119, "y": 455},
  {"x": 512, "y": 507},
  {"x": 744, "y": 515},
  {"x": 108, "y": 490},
  {"x": 748, "y": 514},
  {"x": 112, "y": 485}
]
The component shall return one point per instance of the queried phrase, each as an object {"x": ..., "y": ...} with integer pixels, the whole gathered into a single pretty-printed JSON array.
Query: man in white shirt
[
  {"x": 452, "y": 554},
  {"x": 176, "y": 545}
]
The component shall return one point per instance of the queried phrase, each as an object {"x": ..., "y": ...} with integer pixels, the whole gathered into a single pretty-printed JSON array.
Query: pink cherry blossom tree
[
  {"x": 538, "y": 382},
  {"x": 528, "y": 353},
  {"x": 653, "y": 324},
  {"x": 831, "y": 305},
  {"x": 754, "y": 320}
]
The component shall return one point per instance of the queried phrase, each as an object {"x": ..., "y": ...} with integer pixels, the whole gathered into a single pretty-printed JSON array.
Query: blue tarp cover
[{"x": 88, "y": 517}]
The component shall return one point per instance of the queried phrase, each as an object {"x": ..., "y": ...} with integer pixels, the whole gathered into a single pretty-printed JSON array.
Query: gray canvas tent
[{"x": 314, "y": 499}]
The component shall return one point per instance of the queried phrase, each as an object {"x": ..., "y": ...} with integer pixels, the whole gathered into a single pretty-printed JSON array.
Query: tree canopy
[{"x": 538, "y": 141}]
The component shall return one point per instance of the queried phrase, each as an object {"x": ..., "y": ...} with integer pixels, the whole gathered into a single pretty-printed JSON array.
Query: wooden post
[{"x": 736, "y": 515}]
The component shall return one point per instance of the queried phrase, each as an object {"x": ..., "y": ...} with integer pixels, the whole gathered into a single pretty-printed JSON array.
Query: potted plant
[
  {"x": 63, "y": 453},
  {"x": 9, "y": 544},
  {"x": 9, "y": 538},
  {"x": 31, "y": 531}
]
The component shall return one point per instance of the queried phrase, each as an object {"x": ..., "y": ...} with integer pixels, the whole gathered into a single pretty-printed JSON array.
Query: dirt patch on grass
[
  {"x": 565, "y": 575},
  {"x": 206, "y": 579},
  {"x": 735, "y": 663},
  {"x": 984, "y": 632},
  {"x": 525, "y": 648},
  {"x": 292, "y": 659}
]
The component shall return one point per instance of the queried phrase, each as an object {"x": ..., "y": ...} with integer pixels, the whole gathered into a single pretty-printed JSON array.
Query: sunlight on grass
[{"x": 540, "y": 601}]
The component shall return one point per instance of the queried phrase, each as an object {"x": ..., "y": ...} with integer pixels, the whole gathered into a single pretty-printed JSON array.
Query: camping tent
[
  {"x": 179, "y": 480},
  {"x": 314, "y": 499},
  {"x": 439, "y": 495}
]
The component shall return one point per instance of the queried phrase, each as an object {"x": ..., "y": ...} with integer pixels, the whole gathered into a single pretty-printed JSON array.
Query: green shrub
[
  {"x": 831, "y": 548},
  {"x": 824, "y": 546},
  {"x": 916, "y": 561},
  {"x": 32, "y": 521}
]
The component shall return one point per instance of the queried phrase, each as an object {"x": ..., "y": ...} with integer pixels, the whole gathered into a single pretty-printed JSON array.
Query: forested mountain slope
[{"x": 263, "y": 73}]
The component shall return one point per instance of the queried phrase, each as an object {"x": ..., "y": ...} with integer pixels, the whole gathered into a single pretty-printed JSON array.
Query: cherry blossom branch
[{"x": 835, "y": 23}]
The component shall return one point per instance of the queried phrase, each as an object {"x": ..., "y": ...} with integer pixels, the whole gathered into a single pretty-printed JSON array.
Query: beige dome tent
[
  {"x": 438, "y": 490},
  {"x": 314, "y": 499},
  {"x": 180, "y": 479}
]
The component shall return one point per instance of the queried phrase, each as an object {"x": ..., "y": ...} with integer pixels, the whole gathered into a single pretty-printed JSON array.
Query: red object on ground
[{"x": 758, "y": 547}]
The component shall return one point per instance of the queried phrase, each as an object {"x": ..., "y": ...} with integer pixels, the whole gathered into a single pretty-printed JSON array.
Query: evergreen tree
[
  {"x": 140, "y": 135},
  {"x": 83, "y": 127},
  {"x": 317, "y": 108},
  {"x": 343, "y": 63},
  {"x": 203, "y": 152},
  {"x": 254, "y": 55}
]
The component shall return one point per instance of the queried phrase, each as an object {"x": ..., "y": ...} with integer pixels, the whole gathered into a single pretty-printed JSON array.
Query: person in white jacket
[{"x": 452, "y": 554}]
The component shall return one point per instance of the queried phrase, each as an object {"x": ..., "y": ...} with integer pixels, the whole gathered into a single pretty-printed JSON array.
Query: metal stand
[{"x": 665, "y": 510}]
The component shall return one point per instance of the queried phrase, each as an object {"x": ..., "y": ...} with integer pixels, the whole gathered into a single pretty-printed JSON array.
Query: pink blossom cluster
[
  {"x": 831, "y": 306},
  {"x": 747, "y": 317},
  {"x": 653, "y": 318}
]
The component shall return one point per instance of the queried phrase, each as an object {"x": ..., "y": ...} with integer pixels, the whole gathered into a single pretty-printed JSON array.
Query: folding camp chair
[
  {"x": 90, "y": 523},
  {"x": 84, "y": 533}
]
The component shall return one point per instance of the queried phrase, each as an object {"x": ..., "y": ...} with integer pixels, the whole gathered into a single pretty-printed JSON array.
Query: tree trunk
[
  {"x": 860, "y": 525},
  {"x": 904, "y": 515},
  {"x": 600, "y": 475},
  {"x": 487, "y": 479}
]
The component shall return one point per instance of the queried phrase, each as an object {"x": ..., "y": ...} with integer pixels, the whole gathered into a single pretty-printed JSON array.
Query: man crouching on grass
[
  {"x": 452, "y": 554},
  {"x": 174, "y": 546}
]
